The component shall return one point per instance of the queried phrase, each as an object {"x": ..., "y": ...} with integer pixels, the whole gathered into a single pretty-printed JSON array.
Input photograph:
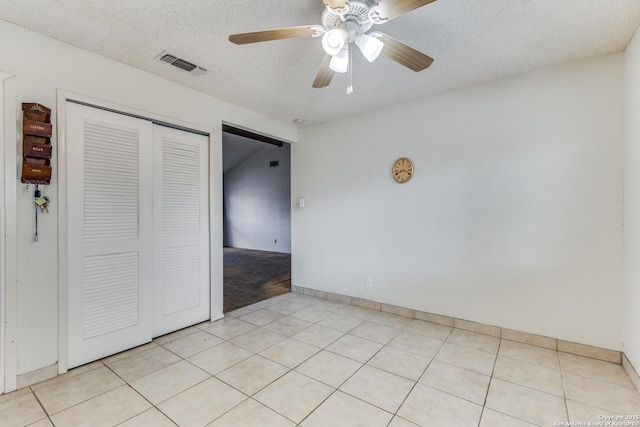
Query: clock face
[{"x": 402, "y": 170}]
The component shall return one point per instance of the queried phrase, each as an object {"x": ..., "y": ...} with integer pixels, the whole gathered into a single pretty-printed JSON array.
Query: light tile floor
[{"x": 299, "y": 360}]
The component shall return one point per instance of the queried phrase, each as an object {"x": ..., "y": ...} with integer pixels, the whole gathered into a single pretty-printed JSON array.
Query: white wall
[
  {"x": 42, "y": 65},
  {"x": 513, "y": 217},
  {"x": 2, "y": 231},
  {"x": 632, "y": 204},
  {"x": 257, "y": 201}
]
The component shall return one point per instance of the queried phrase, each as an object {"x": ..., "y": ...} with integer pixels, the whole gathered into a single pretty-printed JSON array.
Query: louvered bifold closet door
[
  {"x": 181, "y": 229},
  {"x": 109, "y": 175}
]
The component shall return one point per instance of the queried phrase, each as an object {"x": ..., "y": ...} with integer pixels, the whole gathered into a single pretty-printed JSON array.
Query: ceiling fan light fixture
[
  {"x": 334, "y": 40},
  {"x": 346, "y": 23},
  {"x": 340, "y": 61},
  {"x": 371, "y": 47}
]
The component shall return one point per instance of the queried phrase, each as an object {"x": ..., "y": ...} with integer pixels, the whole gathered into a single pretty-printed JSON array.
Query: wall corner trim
[
  {"x": 631, "y": 371},
  {"x": 8, "y": 286}
]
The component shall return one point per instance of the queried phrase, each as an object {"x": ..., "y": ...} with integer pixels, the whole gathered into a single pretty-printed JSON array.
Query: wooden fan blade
[
  {"x": 389, "y": 9},
  {"x": 403, "y": 54},
  {"x": 325, "y": 74},
  {"x": 335, "y": 4},
  {"x": 277, "y": 34}
]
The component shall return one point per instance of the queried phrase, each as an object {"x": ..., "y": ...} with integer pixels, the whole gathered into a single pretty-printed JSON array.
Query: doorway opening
[{"x": 256, "y": 218}]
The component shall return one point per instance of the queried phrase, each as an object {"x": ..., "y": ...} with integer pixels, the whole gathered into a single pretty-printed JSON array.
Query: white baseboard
[{"x": 496, "y": 331}]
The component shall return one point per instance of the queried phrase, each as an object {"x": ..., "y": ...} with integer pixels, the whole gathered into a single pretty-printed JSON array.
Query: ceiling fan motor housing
[{"x": 355, "y": 17}]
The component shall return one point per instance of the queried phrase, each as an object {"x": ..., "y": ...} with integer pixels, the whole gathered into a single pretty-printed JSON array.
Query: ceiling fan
[{"x": 344, "y": 25}]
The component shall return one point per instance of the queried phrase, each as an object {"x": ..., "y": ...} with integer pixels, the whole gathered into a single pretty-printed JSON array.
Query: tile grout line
[
  {"x": 421, "y": 375},
  {"x": 470, "y": 370},
  {"x": 46, "y": 413},
  {"x": 189, "y": 388},
  {"x": 493, "y": 370},
  {"x": 336, "y": 389},
  {"x": 276, "y": 379},
  {"x": 152, "y": 406},
  {"x": 564, "y": 388},
  {"x": 484, "y": 406},
  {"x": 227, "y": 411},
  {"x": 85, "y": 400},
  {"x": 293, "y": 369},
  {"x": 491, "y": 380}
]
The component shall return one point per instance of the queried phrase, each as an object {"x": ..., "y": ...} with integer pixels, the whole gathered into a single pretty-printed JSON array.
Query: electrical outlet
[{"x": 368, "y": 282}]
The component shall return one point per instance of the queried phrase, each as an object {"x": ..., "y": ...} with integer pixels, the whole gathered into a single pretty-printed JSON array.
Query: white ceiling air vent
[{"x": 180, "y": 63}]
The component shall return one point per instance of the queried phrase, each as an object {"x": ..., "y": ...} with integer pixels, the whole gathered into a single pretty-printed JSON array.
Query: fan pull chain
[{"x": 350, "y": 72}]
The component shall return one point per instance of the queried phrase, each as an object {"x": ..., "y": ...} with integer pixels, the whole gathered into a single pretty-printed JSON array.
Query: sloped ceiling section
[
  {"x": 236, "y": 149},
  {"x": 472, "y": 41}
]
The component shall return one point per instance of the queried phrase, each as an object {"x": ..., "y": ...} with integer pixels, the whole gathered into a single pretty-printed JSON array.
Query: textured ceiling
[{"x": 472, "y": 41}]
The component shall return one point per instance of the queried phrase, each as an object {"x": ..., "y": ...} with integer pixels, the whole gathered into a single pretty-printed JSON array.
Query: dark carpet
[{"x": 251, "y": 276}]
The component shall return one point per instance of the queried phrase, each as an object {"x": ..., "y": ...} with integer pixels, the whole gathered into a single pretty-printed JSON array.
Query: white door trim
[
  {"x": 8, "y": 229},
  {"x": 215, "y": 208}
]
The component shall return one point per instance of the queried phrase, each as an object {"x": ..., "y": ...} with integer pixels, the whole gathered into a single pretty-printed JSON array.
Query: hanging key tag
[
  {"x": 42, "y": 203},
  {"x": 44, "y": 196}
]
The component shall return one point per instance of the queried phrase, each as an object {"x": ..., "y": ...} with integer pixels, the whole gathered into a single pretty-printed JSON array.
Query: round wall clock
[{"x": 402, "y": 170}]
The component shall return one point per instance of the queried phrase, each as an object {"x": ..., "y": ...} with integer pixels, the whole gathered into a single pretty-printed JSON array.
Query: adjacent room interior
[{"x": 257, "y": 218}]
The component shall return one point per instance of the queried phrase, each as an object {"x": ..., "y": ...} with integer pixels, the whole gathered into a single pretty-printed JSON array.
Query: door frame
[
  {"x": 215, "y": 207},
  {"x": 8, "y": 230}
]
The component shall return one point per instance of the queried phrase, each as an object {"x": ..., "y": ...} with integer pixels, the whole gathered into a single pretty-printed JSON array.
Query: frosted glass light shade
[
  {"x": 334, "y": 40},
  {"x": 370, "y": 47},
  {"x": 340, "y": 61}
]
